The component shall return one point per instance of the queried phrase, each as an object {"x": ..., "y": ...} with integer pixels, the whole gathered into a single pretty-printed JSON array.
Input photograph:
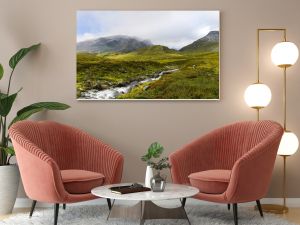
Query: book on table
[{"x": 129, "y": 189}]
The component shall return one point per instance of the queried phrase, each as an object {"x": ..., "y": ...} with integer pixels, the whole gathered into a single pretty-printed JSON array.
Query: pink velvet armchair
[
  {"x": 231, "y": 165},
  {"x": 60, "y": 164}
]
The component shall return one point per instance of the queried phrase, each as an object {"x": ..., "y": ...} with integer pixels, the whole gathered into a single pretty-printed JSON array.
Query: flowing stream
[{"x": 114, "y": 92}]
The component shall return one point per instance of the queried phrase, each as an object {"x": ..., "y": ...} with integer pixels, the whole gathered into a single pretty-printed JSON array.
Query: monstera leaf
[{"x": 154, "y": 151}]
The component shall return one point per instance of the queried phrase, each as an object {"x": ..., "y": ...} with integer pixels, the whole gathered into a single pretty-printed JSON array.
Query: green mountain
[
  {"x": 118, "y": 43},
  {"x": 126, "y": 44},
  {"x": 155, "y": 50},
  {"x": 209, "y": 43}
]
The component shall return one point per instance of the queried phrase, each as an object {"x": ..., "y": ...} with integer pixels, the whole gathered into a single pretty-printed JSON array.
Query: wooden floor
[{"x": 293, "y": 215}]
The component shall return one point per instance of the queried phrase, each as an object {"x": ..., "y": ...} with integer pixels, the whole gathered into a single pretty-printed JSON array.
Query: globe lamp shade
[
  {"x": 284, "y": 54},
  {"x": 289, "y": 144},
  {"x": 258, "y": 95}
]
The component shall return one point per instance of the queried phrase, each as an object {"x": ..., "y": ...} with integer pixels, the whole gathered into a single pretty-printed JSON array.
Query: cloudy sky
[{"x": 174, "y": 29}]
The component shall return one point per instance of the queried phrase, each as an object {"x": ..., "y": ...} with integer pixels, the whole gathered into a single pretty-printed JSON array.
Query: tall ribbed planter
[{"x": 9, "y": 183}]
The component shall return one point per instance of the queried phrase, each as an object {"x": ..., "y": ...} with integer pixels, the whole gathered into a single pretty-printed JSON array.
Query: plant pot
[
  {"x": 148, "y": 176},
  {"x": 9, "y": 183},
  {"x": 158, "y": 183}
]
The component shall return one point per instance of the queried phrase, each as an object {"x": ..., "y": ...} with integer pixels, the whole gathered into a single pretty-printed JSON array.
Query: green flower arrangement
[{"x": 154, "y": 152}]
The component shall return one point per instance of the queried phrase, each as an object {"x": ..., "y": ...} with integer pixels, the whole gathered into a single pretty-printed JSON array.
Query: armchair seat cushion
[
  {"x": 81, "y": 181},
  {"x": 211, "y": 181}
]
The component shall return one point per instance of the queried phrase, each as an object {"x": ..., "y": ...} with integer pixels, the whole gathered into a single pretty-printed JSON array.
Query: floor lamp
[
  {"x": 284, "y": 54},
  {"x": 258, "y": 95}
]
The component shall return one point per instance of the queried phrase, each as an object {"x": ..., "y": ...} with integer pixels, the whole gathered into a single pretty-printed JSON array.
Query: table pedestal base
[{"x": 147, "y": 210}]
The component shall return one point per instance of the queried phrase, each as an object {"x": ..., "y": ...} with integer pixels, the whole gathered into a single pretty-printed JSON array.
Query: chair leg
[
  {"x": 56, "y": 209},
  {"x": 259, "y": 208},
  {"x": 235, "y": 213},
  {"x": 183, "y": 202},
  {"x": 64, "y": 206},
  {"x": 228, "y": 206},
  {"x": 108, "y": 203},
  {"x": 32, "y": 208}
]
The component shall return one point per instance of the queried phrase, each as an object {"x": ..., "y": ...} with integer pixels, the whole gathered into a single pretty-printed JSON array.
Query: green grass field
[{"x": 197, "y": 76}]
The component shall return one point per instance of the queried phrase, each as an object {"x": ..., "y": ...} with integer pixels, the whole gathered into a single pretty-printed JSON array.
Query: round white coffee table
[{"x": 145, "y": 209}]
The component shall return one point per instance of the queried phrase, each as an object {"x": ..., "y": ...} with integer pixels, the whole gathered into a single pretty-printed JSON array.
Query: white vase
[
  {"x": 148, "y": 176},
  {"x": 9, "y": 183}
]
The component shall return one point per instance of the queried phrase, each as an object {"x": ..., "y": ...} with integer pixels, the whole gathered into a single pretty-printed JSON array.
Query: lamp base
[{"x": 276, "y": 209}]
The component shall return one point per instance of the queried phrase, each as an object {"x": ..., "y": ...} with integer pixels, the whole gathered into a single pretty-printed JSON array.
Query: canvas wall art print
[{"x": 150, "y": 55}]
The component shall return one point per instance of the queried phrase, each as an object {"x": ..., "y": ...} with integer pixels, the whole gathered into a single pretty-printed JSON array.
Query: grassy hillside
[
  {"x": 197, "y": 76},
  {"x": 202, "y": 46}
]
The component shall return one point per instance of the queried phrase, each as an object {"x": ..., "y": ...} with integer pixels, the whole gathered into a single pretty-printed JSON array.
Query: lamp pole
[
  {"x": 258, "y": 32},
  {"x": 284, "y": 182},
  {"x": 270, "y": 207}
]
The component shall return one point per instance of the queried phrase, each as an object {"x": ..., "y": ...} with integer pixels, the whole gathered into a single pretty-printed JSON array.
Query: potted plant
[
  {"x": 9, "y": 174},
  {"x": 157, "y": 182}
]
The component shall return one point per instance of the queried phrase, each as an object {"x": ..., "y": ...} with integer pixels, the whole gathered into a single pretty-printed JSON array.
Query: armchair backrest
[
  {"x": 223, "y": 147},
  {"x": 235, "y": 140},
  {"x": 56, "y": 140},
  {"x": 68, "y": 147}
]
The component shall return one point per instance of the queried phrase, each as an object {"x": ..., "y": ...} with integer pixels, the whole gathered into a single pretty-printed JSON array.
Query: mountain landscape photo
[{"x": 148, "y": 66}]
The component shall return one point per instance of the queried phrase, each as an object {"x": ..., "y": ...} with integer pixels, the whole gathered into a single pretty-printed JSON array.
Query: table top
[{"x": 172, "y": 191}]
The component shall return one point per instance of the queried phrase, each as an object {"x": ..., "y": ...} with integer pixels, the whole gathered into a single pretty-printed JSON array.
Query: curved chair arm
[
  {"x": 99, "y": 157},
  {"x": 193, "y": 157},
  {"x": 251, "y": 174},
  {"x": 40, "y": 174}
]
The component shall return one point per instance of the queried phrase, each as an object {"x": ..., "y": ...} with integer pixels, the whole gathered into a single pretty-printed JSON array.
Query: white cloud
[
  {"x": 87, "y": 36},
  {"x": 174, "y": 29}
]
